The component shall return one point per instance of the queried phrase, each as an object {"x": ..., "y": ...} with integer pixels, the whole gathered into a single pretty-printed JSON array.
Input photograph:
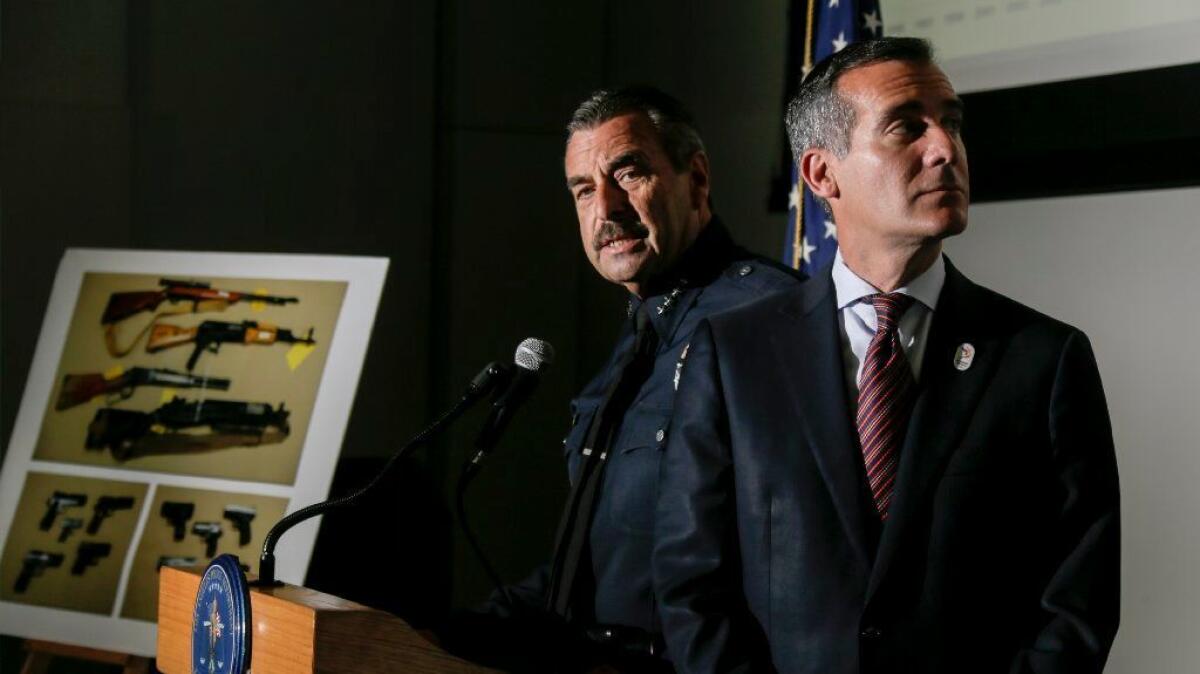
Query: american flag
[{"x": 820, "y": 28}]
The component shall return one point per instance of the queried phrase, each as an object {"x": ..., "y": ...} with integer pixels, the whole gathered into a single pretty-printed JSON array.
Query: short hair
[
  {"x": 817, "y": 116},
  {"x": 676, "y": 129}
]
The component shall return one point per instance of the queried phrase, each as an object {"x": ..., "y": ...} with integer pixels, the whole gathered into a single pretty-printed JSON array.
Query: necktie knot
[{"x": 889, "y": 307}]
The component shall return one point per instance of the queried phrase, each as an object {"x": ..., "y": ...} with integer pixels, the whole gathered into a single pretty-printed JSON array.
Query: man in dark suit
[{"x": 890, "y": 469}]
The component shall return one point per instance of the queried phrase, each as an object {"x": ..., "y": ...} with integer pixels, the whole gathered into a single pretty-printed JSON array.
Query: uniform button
[
  {"x": 871, "y": 633},
  {"x": 660, "y": 435},
  {"x": 745, "y": 270}
]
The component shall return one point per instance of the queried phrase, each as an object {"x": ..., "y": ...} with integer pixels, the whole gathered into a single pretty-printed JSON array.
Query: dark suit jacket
[{"x": 1002, "y": 549}]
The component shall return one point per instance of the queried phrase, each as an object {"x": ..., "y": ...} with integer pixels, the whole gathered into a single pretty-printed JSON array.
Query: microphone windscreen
[{"x": 534, "y": 354}]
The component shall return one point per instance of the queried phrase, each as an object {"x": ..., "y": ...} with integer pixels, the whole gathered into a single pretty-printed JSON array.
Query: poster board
[{"x": 178, "y": 404}]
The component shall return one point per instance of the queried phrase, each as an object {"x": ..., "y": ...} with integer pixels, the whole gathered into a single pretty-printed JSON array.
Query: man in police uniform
[{"x": 639, "y": 177}]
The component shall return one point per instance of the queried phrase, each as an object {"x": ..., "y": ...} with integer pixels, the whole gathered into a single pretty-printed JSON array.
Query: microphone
[
  {"x": 532, "y": 357},
  {"x": 494, "y": 377}
]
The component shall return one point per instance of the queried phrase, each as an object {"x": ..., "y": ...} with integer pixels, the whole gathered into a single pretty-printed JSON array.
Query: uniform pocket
[
  {"x": 581, "y": 420},
  {"x": 631, "y": 478}
]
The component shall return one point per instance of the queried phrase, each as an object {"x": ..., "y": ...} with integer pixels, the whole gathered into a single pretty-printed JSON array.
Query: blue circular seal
[{"x": 220, "y": 620}]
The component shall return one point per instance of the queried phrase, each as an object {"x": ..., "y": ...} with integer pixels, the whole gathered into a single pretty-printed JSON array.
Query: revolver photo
[
  {"x": 57, "y": 503},
  {"x": 241, "y": 516},
  {"x": 104, "y": 509},
  {"x": 69, "y": 526},
  {"x": 210, "y": 532},
  {"x": 89, "y": 554},
  {"x": 177, "y": 513},
  {"x": 35, "y": 562}
]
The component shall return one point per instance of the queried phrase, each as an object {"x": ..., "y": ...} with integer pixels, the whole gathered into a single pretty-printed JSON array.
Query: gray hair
[
  {"x": 817, "y": 117},
  {"x": 674, "y": 124}
]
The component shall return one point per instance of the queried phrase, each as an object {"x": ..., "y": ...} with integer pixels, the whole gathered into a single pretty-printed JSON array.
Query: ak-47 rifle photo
[
  {"x": 80, "y": 388},
  {"x": 202, "y": 296},
  {"x": 171, "y": 428},
  {"x": 210, "y": 335}
]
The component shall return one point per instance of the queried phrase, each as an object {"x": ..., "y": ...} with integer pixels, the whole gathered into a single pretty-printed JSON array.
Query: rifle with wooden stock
[
  {"x": 202, "y": 296},
  {"x": 210, "y": 335},
  {"x": 79, "y": 388}
]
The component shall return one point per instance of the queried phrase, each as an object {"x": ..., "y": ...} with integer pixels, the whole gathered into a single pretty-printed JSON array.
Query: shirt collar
[{"x": 924, "y": 288}]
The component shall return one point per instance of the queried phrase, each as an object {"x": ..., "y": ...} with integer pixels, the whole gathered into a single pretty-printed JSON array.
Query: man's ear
[
  {"x": 818, "y": 173},
  {"x": 698, "y": 178}
]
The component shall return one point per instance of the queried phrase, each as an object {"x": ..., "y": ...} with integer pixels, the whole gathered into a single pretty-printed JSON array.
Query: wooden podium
[{"x": 300, "y": 630}]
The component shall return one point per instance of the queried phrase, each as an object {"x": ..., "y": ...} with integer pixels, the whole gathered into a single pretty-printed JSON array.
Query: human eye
[
  {"x": 583, "y": 192},
  {"x": 628, "y": 174},
  {"x": 907, "y": 128}
]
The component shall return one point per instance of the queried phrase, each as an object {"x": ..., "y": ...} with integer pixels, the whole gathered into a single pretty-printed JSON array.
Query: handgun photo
[
  {"x": 177, "y": 513},
  {"x": 241, "y": 516},
  {"x": 89, "y": 554},
  {"x": 210, "y": 532},
  {"x": 57, "y": 503},
  {"x": 35, "y": 562},
  {"x": 104, "y": 509},
  {"x": 69, "y": 526}
]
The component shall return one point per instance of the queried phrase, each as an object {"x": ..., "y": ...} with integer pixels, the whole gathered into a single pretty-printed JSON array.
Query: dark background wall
[{"x": 428, "y": 132}]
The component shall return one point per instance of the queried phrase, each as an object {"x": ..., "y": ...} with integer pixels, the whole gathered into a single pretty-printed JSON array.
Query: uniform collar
[
  {"x": 924, "y": 288},
  {"x": 703, "y": 261}
]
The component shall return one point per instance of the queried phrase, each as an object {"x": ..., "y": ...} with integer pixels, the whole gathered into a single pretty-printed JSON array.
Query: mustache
[{"x": 611, "y": 230}]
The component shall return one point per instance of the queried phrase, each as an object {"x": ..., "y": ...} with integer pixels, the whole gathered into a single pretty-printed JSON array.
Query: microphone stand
[
  {"x": 469, "y": 470},
  {"x": 479, "y": 387}
]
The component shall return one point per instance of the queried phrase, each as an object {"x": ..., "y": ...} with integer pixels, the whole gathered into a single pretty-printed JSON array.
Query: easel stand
[{"x": 39, "y": 655}]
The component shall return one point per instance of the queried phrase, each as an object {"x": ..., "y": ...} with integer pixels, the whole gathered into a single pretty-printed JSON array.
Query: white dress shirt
[{"x": 858, "y": 321}]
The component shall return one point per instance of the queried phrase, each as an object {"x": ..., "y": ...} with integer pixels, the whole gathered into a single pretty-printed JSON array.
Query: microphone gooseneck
[
  {"x": 493, "y": 377},
  {"x": 532, "y": 356}
]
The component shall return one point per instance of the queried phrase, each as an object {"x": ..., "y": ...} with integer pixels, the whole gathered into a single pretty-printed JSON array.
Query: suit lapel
[
  {"x": 946, "y": 401},
  {"x": 809, "y": 343}
]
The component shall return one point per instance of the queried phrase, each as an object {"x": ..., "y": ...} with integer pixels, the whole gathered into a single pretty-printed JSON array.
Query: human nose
[
  {"x": 943, "y": 146},
  {"x": 612, "y": 201}
]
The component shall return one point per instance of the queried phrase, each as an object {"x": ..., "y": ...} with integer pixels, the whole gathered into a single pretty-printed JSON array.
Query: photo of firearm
[
  {"x": 105, "y": 507},
  {"x": 35, "y": 562},
  {"x": 210, "y": 532},
  {"x": 202, "y": 296},
  {"x": 80, "y": 388},
  {"x": 89, "y": 554},
  {"x": 57, "y": 503},
  {"x": 241, "y": 516},
  {"x": 69, "y": 526},
  {"x": 231, "y": 423},
  {"x": 210, "y": 335},
  {"x": 175, "y": 562},
  {"x": 177, "y": 513}
]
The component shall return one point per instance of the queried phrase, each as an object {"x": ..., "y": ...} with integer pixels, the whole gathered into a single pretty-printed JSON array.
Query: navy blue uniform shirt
[{"x": 713, "y": 275}]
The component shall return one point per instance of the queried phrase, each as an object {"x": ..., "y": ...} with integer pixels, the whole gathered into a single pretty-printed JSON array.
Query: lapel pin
[{"x": 963, "y": 356}]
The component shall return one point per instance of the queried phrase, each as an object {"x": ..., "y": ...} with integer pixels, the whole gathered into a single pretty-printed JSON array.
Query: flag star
[
  {"x": 839, "y": 42},
  {"x": 804, "y": 251},
  {"x": 794, "y": 197},
  {"x": 872, "y": 23},
  {"x": 805, "y": 70},
  {"x": 830, "y": 229},
  {"x": 833, "y": 3}
]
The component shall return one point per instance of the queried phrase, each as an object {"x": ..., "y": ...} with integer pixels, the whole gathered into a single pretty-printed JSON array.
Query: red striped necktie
[{"x": 885, "y": 396}]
